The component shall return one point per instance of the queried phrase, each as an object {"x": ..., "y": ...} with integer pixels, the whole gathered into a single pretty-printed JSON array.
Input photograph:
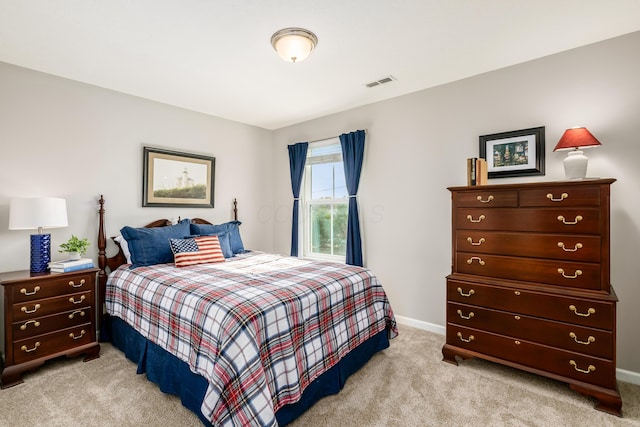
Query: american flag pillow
[{"x": 197, "y": 250}]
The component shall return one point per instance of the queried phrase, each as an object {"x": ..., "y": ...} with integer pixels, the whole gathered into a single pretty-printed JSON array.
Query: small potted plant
[{"x": 75, "y": 247}]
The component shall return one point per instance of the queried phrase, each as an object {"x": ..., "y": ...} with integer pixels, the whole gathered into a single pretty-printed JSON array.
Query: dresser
[
  {"x": 529, "y": 285},
  {"x": 47, "y": 315}
]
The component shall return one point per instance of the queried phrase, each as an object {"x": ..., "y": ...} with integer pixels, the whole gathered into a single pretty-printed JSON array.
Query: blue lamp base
[{"x": 40, "y": 252}]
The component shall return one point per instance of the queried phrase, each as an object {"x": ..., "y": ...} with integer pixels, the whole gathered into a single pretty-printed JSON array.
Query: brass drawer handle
[
  {"x": 478, "y": 243},
  {"x": 575, "y": 221},
  {"x": 29, "y": 350},
  {"x": 465, "y": 317},
  {"x": 475, "y": 258},
  {"x": 480, "y": 218},
  {"x": 471, "y": 337},
  {"x": 25, "y": 324},
  {"x": 562, "y": 197},
  {"x": 82, "y": 332},
  {"x": 587, "y": 314},
  {"x": 471, "y": 292},
  {"x": 79, "y": 285},
  {"x": 80, "y": 312},
  {"x": 516, "y": 293},
  {"x": 587, "y": 342},
  {"x": 575, "y": 276},
  {"x": 35, "y": 291},
  {"x": 516, "y": 342},
  {"x": 489, "y": 199},
  {"x": 589, "y": 369},
  {"x": 575, "y": 248},
  {"x": 35, "y": 308},
  {"x": 72, "y": 300},
  {"x": 517, "y": 317}
]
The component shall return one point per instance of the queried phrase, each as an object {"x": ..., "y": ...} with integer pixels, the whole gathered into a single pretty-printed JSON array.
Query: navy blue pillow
[
  {"x": 231, "y": 227},
  {"x": 223, "y": 238},
  {"x": 149, "y": 246}
]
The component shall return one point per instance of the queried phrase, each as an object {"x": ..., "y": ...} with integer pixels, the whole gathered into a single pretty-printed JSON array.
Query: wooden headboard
[{"x": 108, "y": 264}]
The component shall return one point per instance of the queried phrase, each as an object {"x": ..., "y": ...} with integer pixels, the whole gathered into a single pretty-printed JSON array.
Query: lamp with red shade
[{"x": 575, "y": 164}]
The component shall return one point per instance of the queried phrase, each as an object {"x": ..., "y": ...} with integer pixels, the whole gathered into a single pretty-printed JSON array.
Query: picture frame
[
  {"x": 514, "y": 153},
  {"x": 173, "y": 178}
]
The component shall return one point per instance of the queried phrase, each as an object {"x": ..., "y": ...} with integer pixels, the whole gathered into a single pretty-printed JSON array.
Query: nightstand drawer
[
  {"x": 42, "y": 325},
  {"x": 65, "y": 284},
  {"x": 44, "y": 307},
  {"x": 48, "y": 344}
]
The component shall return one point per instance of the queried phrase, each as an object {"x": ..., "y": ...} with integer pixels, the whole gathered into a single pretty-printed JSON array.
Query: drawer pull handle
[
  {"x": 35, "y": 291},
  {"x": 25, "y": 324},
  {"x": 517, "y": 317},
  {"x": 82, "y": 332},
  {"x": 480, "y": 218},
  {"x": 471, "y": 337},
  {"x": 29, "y": 350},
  {"x": 465, "y": 317},
  {"x": 72, "y": 300},
  {"x": 562, "y": 197},
  {"x": 575, "y": 248},
  {"x": 590, "y": 369},
  {"x": 575, "y": 221},
  {"x": 475, "y": 258},
  {"x": 471, "y": 292},
  {"x": 587, "y": 342},
  {"x": 478, "y": 243},
  {"x": 516, "y": 292},
  {"x": 587, "y": 314},
  {"x": 73, "y": 285},
  {"x": 80, "y": 312},
  {"x": 575, "y": 276},
  {"x": 35, "y": 308},
  {"x": 516, "y": 342},
  {"x": 489, "y": 199}
]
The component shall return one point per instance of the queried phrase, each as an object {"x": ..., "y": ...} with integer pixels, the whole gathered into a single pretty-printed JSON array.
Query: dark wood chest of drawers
[
  {"x": 529, "y": 285},
  {"x": 46, "y": 316}
]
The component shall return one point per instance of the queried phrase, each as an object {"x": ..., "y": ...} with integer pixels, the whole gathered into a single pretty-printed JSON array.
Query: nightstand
[{"x": 47, "y": 315}]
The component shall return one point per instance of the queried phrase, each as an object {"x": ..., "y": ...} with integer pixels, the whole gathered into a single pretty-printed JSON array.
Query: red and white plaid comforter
[{"x": 259, "y": 327}]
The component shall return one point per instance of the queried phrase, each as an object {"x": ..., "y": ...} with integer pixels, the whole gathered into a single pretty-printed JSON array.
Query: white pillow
[{"x": 124, "y": 246}]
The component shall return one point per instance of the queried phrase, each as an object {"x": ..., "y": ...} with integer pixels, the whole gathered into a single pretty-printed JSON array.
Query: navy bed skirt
[{"x": 174, "y": 376}]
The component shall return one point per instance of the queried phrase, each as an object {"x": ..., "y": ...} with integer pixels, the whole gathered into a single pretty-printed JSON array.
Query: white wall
[{"x": 417, "y": 145}]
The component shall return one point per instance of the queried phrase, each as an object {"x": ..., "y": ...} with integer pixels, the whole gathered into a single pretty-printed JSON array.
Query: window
[{"x": 325, "y": 202}]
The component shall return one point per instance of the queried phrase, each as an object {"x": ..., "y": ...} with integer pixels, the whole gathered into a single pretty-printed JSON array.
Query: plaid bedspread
[{"x": 259, "y": 327}]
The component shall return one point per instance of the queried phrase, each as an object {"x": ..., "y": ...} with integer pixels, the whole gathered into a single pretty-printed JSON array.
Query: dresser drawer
[
  {"x": 487, "y": 199},
  {"x": 568, "y": 364},
  {"x": 537, "y": 220},
  {"x": 58, "y": 286},
  {"x": 555, "y": 197},
  {"x": 553, "y": 272},
  {"x": 43, "y": 307},
  {"x": 591, "y": 341},
  {"x": 579, "y": 311},
  {"x": 553, "y": 246},
  {"x": 48, "y": 344},
  {"x": 43, "y": 325}
]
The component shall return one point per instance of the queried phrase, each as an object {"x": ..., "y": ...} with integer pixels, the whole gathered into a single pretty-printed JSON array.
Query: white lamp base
[{"x": 575, "y": 165}]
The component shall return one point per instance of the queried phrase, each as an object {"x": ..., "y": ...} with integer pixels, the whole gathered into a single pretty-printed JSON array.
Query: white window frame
[{"x": 306, "y": 205}]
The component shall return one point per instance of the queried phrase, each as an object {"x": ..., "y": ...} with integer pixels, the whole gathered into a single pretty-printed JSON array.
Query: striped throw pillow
[{"x": 197, "y": 250}]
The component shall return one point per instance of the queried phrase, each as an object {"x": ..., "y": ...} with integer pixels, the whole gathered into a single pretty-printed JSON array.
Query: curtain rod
[{"x": 331, "y": 137}]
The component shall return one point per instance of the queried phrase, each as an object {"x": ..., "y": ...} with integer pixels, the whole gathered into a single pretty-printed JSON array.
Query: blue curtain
[
  {"x": 297, "y": 159},
  {"x": 352, "y": 157}
]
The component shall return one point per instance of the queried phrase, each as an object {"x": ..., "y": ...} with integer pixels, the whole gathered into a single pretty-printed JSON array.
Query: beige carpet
[{"x": 406, "y": 385}]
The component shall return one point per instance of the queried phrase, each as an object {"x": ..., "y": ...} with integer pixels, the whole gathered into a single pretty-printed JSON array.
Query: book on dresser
[{"x": 70, "y": 265}]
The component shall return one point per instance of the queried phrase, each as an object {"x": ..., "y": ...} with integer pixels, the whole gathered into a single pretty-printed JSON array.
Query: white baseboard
[{"x": 621, "y": 374}]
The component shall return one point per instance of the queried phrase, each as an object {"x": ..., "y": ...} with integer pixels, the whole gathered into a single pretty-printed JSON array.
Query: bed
[{"x": 243, "y": 337}]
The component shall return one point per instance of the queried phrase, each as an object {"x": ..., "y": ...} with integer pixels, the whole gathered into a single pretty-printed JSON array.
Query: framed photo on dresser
[{"x": 514, "y": 153}]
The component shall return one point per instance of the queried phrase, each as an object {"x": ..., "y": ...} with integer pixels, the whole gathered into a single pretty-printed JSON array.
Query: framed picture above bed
[
  {"x": 172, "y": 178},
  {"x": 514, "y": 153}
]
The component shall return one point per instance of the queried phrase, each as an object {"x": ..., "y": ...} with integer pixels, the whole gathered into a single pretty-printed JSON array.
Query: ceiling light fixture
[{"x": 294, "y": 44}]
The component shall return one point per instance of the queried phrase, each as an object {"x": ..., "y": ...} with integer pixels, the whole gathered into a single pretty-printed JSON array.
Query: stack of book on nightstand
[{"x": 70, "y": 265}]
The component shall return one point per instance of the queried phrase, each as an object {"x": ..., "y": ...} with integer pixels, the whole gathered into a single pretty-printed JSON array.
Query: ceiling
[{"x": 215, "y": 56}]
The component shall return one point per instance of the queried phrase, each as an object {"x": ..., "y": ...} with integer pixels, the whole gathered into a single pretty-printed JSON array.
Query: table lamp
[
  {"x": 575, "y": 164},
  {"x": 38, "y": 213}
]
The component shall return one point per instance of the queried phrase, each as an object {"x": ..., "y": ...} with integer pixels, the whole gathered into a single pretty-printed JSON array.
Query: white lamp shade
[
  {"x": 37, "y": 213},
  {"x": 294, "y": 44}
]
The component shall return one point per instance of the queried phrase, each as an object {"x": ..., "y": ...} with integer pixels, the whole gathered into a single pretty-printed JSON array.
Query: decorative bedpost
[
  {"x": 102, "y": 263},
  {"x": 235, "y": 209}
]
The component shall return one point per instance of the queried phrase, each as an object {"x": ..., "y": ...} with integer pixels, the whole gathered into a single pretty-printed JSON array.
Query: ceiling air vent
[{"x": 381, "y": 81}]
